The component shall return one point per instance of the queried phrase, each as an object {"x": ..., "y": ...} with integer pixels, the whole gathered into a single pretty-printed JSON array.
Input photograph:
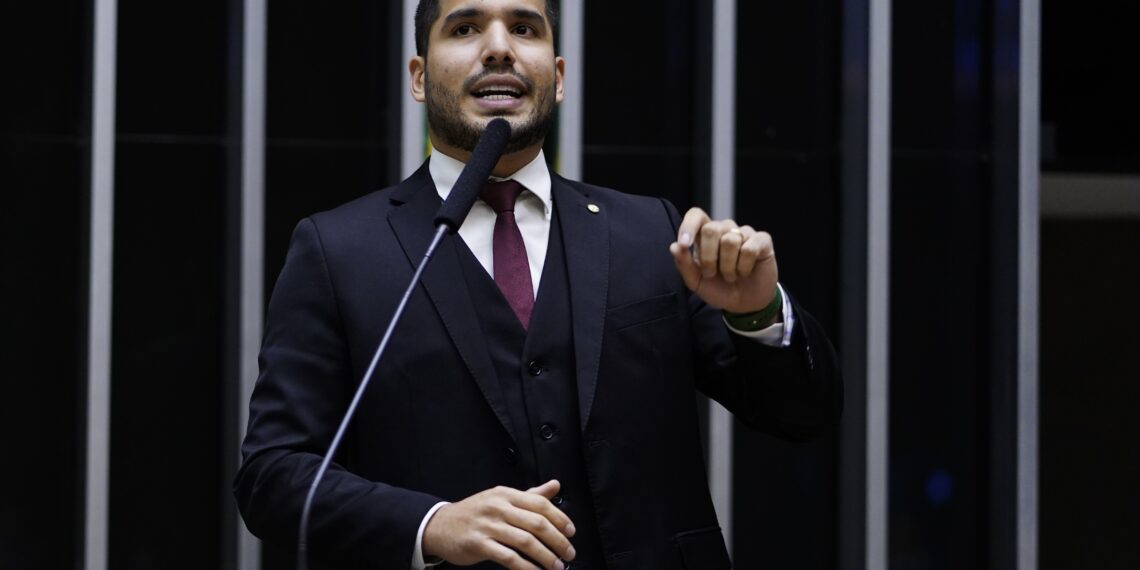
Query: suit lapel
[
  {"x": 586, "y": 239},
  {"x": 412, "y": 224}
]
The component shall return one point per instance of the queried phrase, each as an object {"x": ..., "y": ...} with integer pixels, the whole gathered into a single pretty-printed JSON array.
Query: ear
[
  {"x": 559, "y": 72},
  {"x": 417, "y": 67}
]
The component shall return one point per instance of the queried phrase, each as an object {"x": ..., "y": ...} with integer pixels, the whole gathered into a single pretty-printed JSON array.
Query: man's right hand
[{"x": 502, "y": 525}]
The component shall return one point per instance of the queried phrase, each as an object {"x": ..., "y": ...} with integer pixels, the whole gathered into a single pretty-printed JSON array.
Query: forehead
[{"x": 491, "y": 7}]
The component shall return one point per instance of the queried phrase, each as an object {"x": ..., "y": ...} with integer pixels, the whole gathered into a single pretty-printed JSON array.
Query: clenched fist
[{"x": 728, "y": 266}]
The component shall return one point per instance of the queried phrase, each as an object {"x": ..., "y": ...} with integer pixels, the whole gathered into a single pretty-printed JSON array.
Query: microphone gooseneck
[
  {"x": 483, "y": 160},
  {"x": 450, "y": 216}
]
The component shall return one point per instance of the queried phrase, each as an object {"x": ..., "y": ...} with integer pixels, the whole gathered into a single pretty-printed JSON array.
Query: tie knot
[{"x": 501, "y": 196}]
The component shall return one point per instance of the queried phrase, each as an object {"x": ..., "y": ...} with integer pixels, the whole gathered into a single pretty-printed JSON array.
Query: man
[{"x": 535, "y": 408}]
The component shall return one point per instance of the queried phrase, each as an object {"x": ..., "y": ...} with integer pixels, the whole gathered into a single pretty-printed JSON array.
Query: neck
[{"x": 507, "y": 165}]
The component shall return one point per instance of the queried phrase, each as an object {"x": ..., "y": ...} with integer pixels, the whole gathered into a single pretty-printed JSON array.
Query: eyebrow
[{"x": 474, "y": 13}]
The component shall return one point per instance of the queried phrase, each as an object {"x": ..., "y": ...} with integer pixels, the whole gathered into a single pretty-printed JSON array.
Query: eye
[
  {"x": 464, "y": 30},
  {"x": 524, "y": 30}
]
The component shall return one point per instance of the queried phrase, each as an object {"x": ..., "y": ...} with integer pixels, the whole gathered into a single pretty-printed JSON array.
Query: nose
[{"x": 498, "y": 48}]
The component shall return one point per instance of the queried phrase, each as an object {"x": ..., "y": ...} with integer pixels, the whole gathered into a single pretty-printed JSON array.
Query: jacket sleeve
[
  {"x": 301, "y": 394},
  {"x": 793, "y": 392}
]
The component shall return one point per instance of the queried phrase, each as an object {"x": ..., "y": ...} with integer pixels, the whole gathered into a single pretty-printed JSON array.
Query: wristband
[{"x": 756, "y": 320}]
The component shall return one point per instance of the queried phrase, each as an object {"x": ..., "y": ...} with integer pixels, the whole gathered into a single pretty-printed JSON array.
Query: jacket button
[
  {"x": 534, "y": 368},
  {"x": 546, "y": 431},
  {"x": 558, "y": 500},
  {"x": 512, "y": 456}
]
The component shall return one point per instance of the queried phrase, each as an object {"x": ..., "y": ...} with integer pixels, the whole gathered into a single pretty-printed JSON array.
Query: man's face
[{"x": 487, "y": 59}]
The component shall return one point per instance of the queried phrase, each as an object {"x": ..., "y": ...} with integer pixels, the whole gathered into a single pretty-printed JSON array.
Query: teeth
[{"x": 498, "y": 93}]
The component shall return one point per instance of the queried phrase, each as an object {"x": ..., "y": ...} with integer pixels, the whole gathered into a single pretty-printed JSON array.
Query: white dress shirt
[{"x": 533, "y": 211}]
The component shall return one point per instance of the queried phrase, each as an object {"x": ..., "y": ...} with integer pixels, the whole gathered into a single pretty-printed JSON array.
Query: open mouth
[
  {"x": 498, "y": 94},
  {"x": 499, "y": 89}
]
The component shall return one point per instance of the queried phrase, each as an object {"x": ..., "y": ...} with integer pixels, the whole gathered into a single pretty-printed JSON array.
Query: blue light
[{"x": 939, "y": 487}]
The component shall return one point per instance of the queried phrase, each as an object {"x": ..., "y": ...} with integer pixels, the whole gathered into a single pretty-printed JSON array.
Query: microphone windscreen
[{"x": 483, "y": 160}]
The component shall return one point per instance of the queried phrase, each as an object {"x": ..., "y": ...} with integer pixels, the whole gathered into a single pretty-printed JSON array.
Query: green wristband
[{"x": 757, "y": 320}]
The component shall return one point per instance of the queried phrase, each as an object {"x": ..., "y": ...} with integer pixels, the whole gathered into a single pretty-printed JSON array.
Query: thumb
[
  {"x": 683, "y": 258},
  {"x": 548, "y": 489}
]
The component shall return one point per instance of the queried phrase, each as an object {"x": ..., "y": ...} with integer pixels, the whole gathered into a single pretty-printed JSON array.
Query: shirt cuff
[
  {"x": 778, "y": 335},
  {"x": 418, "y": 552}
]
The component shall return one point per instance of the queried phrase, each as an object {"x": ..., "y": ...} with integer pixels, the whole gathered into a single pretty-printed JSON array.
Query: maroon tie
[{"x": 512, "y": 270}]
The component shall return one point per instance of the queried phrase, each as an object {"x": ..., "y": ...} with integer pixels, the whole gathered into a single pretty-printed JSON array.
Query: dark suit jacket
[{"x": 433, "y": 425}]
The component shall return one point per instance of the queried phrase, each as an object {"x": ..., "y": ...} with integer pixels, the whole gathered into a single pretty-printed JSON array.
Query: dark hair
[{"x": 427, "y": 12}]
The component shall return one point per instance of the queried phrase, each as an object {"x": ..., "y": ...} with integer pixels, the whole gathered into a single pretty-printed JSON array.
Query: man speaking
[{"x": 535, "y": 407}]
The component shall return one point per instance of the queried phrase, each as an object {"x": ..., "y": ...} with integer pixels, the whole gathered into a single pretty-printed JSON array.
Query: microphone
[
  {"x": 450, "y": 216},
  {"x": 474, "y": 176}
]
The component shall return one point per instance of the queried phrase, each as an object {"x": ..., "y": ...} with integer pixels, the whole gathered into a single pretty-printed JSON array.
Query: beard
[{"x": 449, "y": 123}]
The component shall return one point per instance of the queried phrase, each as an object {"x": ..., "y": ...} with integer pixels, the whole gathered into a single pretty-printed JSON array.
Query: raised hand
[{"x": 730, "y": 267}]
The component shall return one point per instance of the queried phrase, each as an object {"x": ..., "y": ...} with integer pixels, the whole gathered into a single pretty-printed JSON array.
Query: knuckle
[
  {"x": 495, "y": 508},
  {"x": 505, "y": 557},
  {"x": 536, "y": 523},
  {"x": 532, "y": 544},
  {"x": 478, "y": 545}
]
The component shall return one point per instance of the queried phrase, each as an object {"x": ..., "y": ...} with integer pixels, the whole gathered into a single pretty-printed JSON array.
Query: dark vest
[{"x": 536, "y": 371}]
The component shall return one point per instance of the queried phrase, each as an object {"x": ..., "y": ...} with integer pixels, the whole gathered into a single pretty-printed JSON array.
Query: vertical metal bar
[
  {"x": 252, "y": 230},
  {"x": 878, "y": 282},
  {"x": 97, "y": 487},
  {"x": 724, "y": 109},
  {"x": 1028, "y": 269},
  {"x": 413, "y": 116},
  {"x": 723, "y": 206},
  {"x": 572, "y": 35}
]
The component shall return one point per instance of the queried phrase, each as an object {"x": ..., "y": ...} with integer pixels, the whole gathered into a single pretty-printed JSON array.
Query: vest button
[
  {"x": 512, "y": 456},
  {"x": 558, "y": 500},
  {"x": 534, "y": 368},
  {"x": 546, "y": 431}
]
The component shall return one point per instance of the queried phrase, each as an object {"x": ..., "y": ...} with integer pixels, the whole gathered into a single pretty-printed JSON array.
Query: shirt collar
[{"x": 535, "y": 177}]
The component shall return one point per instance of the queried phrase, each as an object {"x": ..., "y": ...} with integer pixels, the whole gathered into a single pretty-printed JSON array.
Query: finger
[
  {"x": 548, "y": 489},
  {"x": 730, "y": 242},
  {"x": 690, "y": 225},
  {"x": 708, "y": 245},
  {"x": 755, "y": 250},
  {"x": 683, "y": 258},
  {"x": 506, "y": 557},
  {"x": 542, "y": 506},
  {"x": 528, "y": 545},
  {"x": 541, "y": 529}
]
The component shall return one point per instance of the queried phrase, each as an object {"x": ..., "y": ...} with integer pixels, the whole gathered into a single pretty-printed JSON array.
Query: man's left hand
[{"x": 730, "y": 267}]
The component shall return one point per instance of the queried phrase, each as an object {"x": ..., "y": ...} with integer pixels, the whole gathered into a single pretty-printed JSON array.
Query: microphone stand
[
  {"x": 449, "y": 218},
  {"x": 302, "y": 539}
]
